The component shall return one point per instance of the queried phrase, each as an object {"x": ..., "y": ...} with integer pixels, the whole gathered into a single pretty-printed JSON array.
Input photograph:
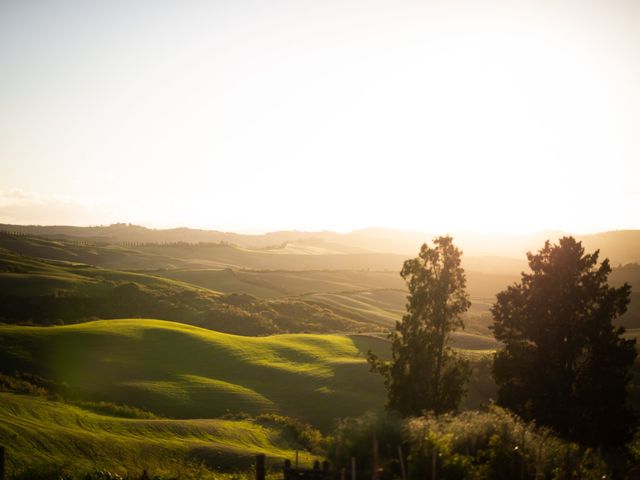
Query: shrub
[
  {"x": 355, "y": 438},
  {"x": 303, "y": 434},
  {"x": 494, "y": 444}
]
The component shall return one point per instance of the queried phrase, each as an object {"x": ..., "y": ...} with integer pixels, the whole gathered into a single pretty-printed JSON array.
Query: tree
[
  {"x": 424, "y": 373},
  {"x": 564, "y": 364}
]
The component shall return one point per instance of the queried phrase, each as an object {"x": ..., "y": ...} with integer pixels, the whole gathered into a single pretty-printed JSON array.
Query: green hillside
[
  {"x": 50, "y": 281},
  {"x": 25, "y": 275},
  {"x": 187, "y": 372},
  {"x": 384, "y": 307},
  {"x": 41, "y": 434},
  {"x": 273, "y": 283},
  {"x": 40, "y": 291}
]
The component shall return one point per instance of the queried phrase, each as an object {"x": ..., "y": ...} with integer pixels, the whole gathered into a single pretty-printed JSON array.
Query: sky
[{"x": 252, "y": 116}]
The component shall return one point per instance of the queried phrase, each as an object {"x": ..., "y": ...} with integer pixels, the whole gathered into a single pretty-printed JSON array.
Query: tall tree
[
  {"x": 564, "y": 364},
  {"x": 424, "y": 373}
]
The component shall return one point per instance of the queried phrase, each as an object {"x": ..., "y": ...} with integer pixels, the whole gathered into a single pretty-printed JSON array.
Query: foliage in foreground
[
  {"x": 65, "y": 472},
  {"x": 473, "y": 445},
  {"x": 48, "y": 439}
]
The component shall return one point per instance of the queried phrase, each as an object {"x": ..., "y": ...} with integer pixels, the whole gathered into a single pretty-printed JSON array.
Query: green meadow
[
  {"x": 41, "y": 435},
  {"x": 182, "y": 371}
]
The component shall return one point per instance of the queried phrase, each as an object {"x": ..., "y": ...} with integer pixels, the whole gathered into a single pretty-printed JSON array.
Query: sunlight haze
[{"x": 252, "y": 116}]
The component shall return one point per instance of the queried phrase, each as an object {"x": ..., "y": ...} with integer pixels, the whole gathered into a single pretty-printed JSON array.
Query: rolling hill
[
  {"x": 188, "y": 289},
  {"x": 43, "y": 291},
  {"x": 42, "y": 435},
  {"x": 181, "y": 371},
  {"x": 621, "y": 246}
]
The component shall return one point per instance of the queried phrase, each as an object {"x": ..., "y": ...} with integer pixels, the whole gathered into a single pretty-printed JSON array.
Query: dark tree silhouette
[
  {"x": 564, "y": 364},
  {"x": 424, "y": 373}
]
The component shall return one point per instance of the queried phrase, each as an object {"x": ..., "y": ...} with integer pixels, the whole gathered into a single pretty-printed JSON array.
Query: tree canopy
[
  {"x": 564, "y": 364},
  {"x": 424, "y": 373}
]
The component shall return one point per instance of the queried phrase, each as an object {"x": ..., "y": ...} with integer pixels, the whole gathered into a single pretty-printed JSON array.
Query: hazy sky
[{"x": 502, "y": 116}]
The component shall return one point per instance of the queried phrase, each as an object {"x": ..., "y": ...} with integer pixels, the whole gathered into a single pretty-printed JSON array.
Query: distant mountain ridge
[{"x": 620, "y": 246}]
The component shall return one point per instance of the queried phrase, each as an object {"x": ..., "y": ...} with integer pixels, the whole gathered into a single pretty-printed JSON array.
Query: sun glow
[{"x": 235, "y": 115}]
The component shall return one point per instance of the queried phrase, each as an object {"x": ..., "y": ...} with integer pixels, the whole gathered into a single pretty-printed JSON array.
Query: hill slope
[
  {"x": 621, "y": 246},
  {"x": 43, "y": 434},
  {"x": 187, "y": 372},
  {"x": 39, "y": 291}
]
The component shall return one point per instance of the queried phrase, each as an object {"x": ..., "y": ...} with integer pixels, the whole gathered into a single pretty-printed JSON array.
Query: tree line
[{"x": 563, "y": 363}]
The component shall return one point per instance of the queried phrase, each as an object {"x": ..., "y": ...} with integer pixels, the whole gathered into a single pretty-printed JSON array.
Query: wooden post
[
  {"x": 353, "y": 468},
  {"x": 403, "y": 472},
  {"x": 336, "y": 462},
  {"x": 1, "y": 462},
  {"x": 260, "y": 466},
  {"x": 343, "y": 473},
  {"x": 374, "y": 475},
  {"x": 434, "y": 459},
  {"x": 286, "y": 469},
  {"x": 522, "y": 459}
]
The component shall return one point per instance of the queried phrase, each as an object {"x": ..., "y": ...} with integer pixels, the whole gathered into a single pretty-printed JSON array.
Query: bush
[
  {"x": 355, "y": 438},
  {"x": 114, "y": 409},
  {"x": 494, "y": 444},
  {"x": 301, "y": 433}
]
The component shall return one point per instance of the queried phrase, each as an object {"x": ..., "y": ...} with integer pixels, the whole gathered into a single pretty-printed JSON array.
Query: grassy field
[
  {"x": 44, "y": 291},
  {"x": 383, "y": 307},
  {"x": 376, "y": 298},
  {"x": 181, "y": 371},
  {"x": 23, "y": 275},
  {"x": 41, "y": 291},
  {"x": 360, "y": 289},
  {"x": 272, "y": 283},
  {"x": 46, "y": 435},
  {"x": 187, "y": 372}
]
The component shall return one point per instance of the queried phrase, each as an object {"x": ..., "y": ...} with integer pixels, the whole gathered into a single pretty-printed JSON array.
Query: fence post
[
  {"x": 353, "y": 468},
  {"x": 1, "y": 462},
  {"x": 434, "y": 464},
  {"x": 336, "y": 462},
  {"x": 260, "y": 466},
  {"x": 401, "y": 457},
  {"x": 286, "y": 470},
  {"x": 374, "y": 475}
]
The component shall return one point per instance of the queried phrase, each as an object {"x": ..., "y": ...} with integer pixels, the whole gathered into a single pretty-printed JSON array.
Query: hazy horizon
[
  {"x": 326, "y": 230},
  {"x": 424, "y": 116}
]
